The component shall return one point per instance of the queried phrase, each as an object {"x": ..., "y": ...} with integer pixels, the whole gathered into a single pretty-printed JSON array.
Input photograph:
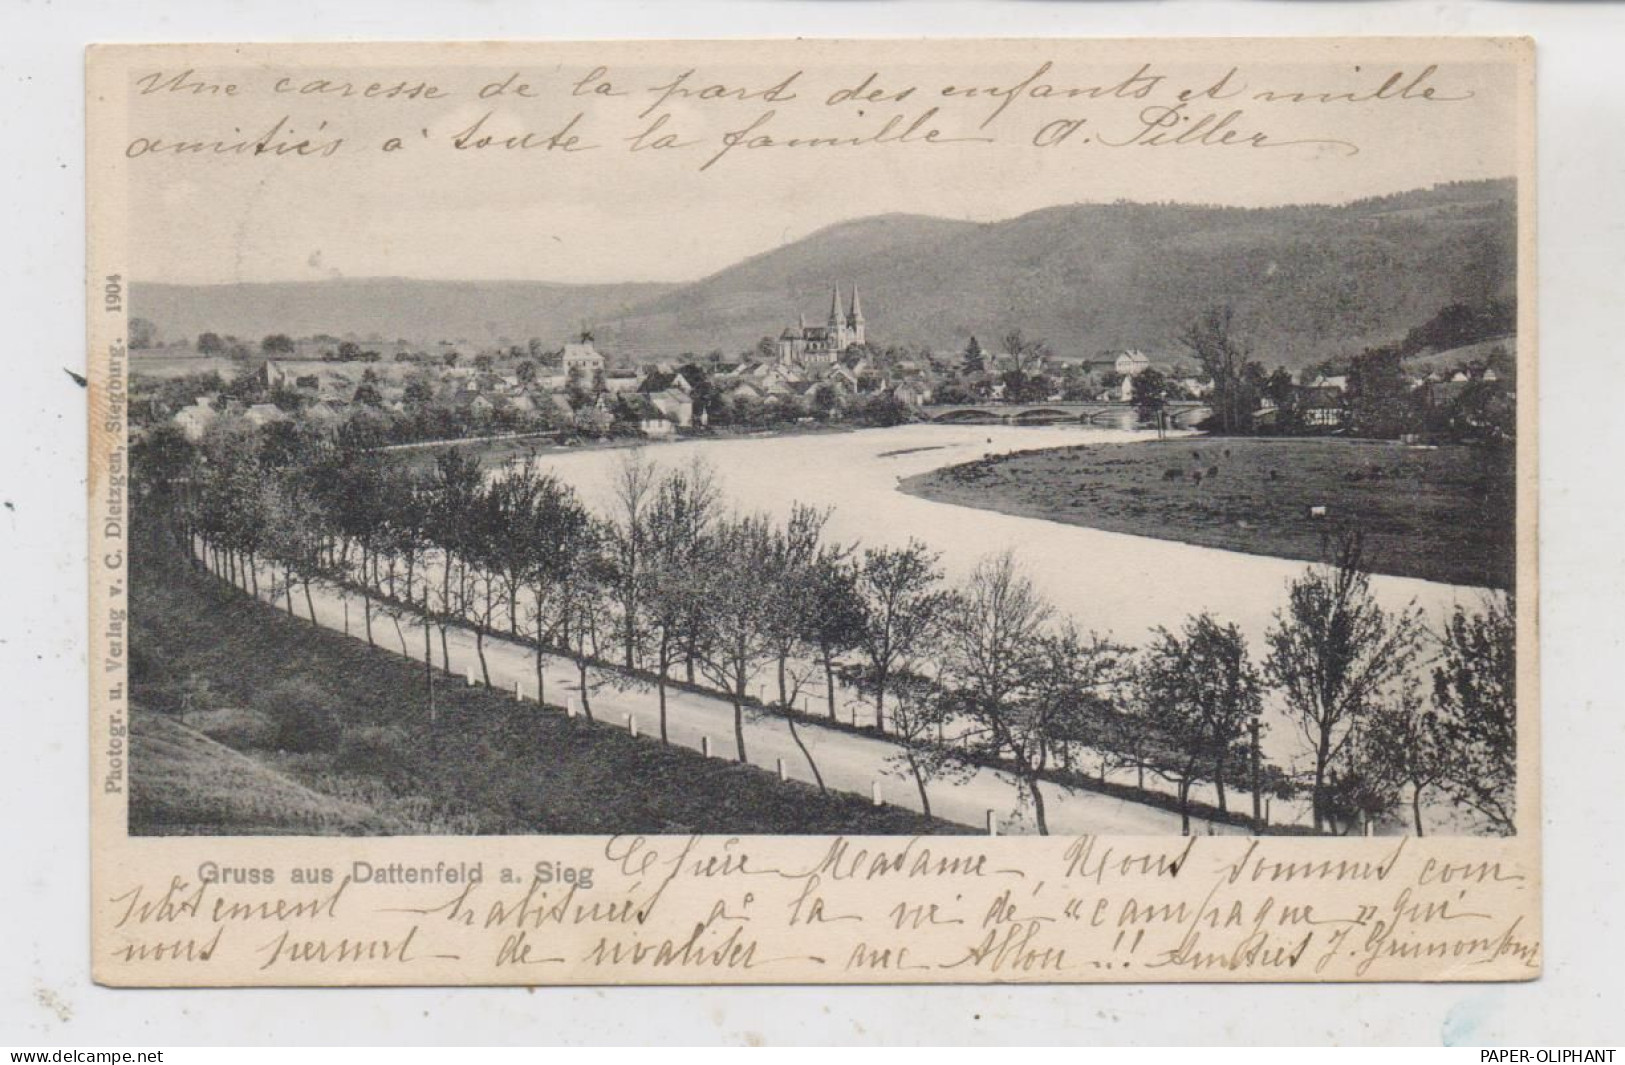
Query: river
[{"x": 1108, "y": 582}]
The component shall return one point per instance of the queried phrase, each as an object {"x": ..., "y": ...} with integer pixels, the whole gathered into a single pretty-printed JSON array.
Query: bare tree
[
  {"x": 453, "y": 490},
  {"x": 788, "y": 584},
  {"x": 737, "y": 643},
  {"x": 1020, "y": 687},
  {"x": 833, "y": 615},
  {"x": 1406, "y": 741},
  {"x": 680, "y": 522},
  {"x": 636, "y": 482},
  {"x": 920, "y": 718},
  {"x": 584, "y": 590},
  {"x": 556, "y": 537}
]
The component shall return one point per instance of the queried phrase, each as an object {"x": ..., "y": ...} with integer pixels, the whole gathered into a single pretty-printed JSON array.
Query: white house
[
  {"x": 196, "y": 419},
  {"x": 1131, "y": 362},
  {"x": 581, "y": 359}
]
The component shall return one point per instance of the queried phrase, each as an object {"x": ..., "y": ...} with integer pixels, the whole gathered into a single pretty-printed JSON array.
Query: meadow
[{"x": 1437, "y": 513}]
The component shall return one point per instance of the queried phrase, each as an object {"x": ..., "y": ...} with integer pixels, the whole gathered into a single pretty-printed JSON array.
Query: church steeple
[
  {"x": 835, "y": 317},
  {"x": 854, "y": 319}
]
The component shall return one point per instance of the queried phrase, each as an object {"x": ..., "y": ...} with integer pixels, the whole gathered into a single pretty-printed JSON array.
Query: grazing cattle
[
  {"x": 1317, "y": 512},
  {"x": 1173, "y": 475},
  {"x": 1213, "y": 471}
]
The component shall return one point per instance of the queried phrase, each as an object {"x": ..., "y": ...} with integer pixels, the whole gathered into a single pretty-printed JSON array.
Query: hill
[
  {"x": 1308, "y": 282},
  {"x": 385, "y": 308}
]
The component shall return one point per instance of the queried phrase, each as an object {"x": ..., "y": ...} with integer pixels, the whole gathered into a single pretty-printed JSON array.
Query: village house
[
  {"x": 195, "y": 420},
  {"x": 745, "y": 390},
  {"x": 912, "y": 393},
  {"x": 1322, "y": 405},
  {"x": 621, "y": 382},
  {"x": 675, "y": 405},
  {"x": 580, "y": 360},
  {"x": 641, "y": 411},
  {"x": 475, "y": 403}
]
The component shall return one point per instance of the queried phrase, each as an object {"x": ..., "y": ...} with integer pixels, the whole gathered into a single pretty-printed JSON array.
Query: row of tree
[{"x": 674, "y": 588}]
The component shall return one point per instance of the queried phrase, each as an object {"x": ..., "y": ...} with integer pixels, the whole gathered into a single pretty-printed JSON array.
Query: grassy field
[
  {"x": 189, "y": 784},
  {"x": 257, "y": 723},
  {"x": 1441, "y": 514},
  {"x": 176, "y": 363}
]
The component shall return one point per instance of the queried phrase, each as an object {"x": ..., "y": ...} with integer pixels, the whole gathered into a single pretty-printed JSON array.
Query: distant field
[
  {"x": 166, "y": 364},
  {"x": 257, "y": 723},
  {"x": 1444, "y": 514}
]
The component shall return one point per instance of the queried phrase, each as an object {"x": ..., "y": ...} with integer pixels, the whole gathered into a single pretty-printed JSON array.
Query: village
[{"x": 375, "y": 393}]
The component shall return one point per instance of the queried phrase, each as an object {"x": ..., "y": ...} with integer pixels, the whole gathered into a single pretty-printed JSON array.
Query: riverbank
[
  {"x": 496, "y": 451},
  {"x": 343, "y": 742},
  {"x": 1442, "y": 514}
]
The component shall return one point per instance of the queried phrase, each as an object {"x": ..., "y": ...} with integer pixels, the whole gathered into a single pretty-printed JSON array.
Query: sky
[{"x": 599, "y": 211}]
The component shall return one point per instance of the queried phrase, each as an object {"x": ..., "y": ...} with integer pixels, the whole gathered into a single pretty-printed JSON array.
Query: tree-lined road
[{"x": 849, "y": 762}]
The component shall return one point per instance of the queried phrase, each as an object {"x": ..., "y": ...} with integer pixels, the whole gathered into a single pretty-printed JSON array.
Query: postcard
[{"x": 813, "y": 511}]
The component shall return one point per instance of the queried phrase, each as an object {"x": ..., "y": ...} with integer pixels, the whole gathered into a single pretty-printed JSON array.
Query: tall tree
[
  {"x": 1334, "y": 652},
  {"x": 1211, "y": 339},
  {"x": 1475, "y": 693},
  {"x": 1201, "y": 695},
  {"x": 973, "y": 361},
  {"x": 556, "y": 538},
  {"x": 680, "y": 522},
  {"x": 585, "y": 591},
  {"x": 1405, "y": 738},
  {"x": 635, "y": 485},
  {"x": 920, "y": 717},
  {"x": 787, "y": 585},
  {"x": 903, "y": 601},
  {"x": 990, "y": 647},
  {"x": 454, "y": 489},
  {"x": 833, "y": 617},
  {"x": 737, "y": 642},
  {"x": 1150, "y": 392}
]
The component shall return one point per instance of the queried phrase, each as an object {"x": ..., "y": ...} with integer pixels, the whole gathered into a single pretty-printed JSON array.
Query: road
[{"x": 848, "y": 762}]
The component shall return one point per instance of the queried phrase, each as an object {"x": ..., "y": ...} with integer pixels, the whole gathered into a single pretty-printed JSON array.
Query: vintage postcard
[{"x": 813, "y": 511}]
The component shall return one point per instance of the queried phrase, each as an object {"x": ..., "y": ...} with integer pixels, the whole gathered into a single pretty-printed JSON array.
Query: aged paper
[{"x": 813, "y": 511}]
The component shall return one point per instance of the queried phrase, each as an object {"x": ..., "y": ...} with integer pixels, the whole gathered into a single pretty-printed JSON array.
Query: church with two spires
[{"x": 821, "y": 345}]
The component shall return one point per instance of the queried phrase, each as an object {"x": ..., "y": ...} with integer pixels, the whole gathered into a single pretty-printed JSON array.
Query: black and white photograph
[{"x": 1160, "y": 478}]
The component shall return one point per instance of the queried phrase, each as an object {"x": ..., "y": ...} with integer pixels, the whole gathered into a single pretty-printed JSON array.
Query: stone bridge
[{"x": 1180, "y": 414}]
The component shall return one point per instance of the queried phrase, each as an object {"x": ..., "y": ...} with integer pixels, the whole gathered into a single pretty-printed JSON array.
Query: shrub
[
  {"x": 376, "y": 750},
  {"x": 306, "y": 715},
  {"x": 242, "y": 729}
]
